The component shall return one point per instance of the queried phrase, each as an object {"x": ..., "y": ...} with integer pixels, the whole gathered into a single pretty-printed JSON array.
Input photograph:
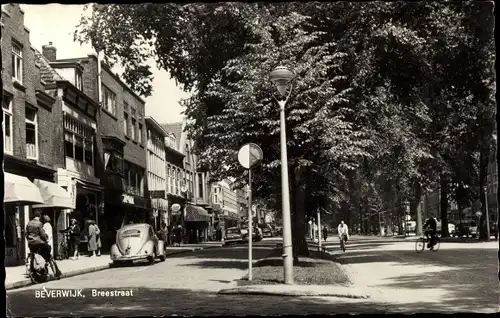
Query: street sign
[
  {"x": 250, "y": 155},
  {"x": 479, "y": 213},
  {"x": 408, "y": 218}
]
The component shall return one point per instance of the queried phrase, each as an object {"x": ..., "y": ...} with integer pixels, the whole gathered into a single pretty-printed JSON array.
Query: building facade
[
  {"x": 119, "y": 146},
  {"x": 29, "y": 114},
  {"x": 75, "y": 149},
  {"x": 186, "y": 186},
  {"x": 156, "y": 171}
]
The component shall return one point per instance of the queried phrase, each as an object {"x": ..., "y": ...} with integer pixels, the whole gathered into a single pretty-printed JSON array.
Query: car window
[
  {"x": 233, "y": 231},
  {"x": 131, "y": 233}
]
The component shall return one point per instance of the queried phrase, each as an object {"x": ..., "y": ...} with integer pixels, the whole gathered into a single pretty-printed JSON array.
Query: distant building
[
  {"x": 157, "y": 180},
  {"x": 187, "y": 185}
]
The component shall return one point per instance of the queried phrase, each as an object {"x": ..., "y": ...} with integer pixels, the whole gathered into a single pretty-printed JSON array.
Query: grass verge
[{"x": 312, "y": 270}]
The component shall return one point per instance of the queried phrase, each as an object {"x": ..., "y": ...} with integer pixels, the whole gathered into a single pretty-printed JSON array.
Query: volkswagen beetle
[{"x": 137, "y": 242}]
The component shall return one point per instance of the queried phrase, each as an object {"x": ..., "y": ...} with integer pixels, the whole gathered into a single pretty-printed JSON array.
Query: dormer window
[{"x": 79, "y": 79}]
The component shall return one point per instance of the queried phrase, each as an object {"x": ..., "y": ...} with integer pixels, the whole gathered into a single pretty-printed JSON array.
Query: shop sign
[
  {"x": 72, "y": 192},
  {"x": 128, "y": 199}
]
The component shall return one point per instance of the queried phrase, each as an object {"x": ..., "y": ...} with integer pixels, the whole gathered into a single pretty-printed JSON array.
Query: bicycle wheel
[
  {"x": 420, "y": 245},
  {"x": 436, "y": 246}
]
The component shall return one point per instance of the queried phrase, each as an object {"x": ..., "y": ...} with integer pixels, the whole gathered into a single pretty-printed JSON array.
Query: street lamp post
[{"x": 281, "y": 77}]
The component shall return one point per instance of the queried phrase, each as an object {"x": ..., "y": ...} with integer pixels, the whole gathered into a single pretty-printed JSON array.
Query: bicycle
[
  {"x": 63, "y": 248},
  {"x": 422, "y": 242},
  {"x": 342, "y": 242}
]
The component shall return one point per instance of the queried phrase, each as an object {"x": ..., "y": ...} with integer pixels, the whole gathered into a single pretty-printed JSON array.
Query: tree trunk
[
  {"x": 483, "y": 171},
  {"x": 300, "y": 247},
  {"x": 444, "y": 206},
  {"x": 416, "y": 208}
]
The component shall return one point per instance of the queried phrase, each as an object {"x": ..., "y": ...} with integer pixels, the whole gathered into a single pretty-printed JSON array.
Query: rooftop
[
  {"x": 47, "y": 73},
  {"x": 176, "y": 129}
]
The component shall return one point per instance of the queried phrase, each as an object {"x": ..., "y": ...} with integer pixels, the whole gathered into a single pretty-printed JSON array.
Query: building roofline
[
  {"x": 115, "y": 76},
  {"x": 153, "y": 123}
]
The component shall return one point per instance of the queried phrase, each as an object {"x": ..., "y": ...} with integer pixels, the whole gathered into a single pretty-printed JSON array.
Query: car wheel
[
  {"x": 151, "y": 260},
  {"x": 117, "y": 263},
  {"x": 163, "y": 258}
]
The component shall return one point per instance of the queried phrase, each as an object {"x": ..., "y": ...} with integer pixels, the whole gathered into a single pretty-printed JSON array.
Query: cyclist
[
  {"x": 37, "y": 241},
  {"x": 430, "y": 231},
  {"x": 343, "y": 231}
]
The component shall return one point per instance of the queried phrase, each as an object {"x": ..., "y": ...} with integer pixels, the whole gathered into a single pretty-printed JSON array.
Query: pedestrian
[
  {"x": 98, "y": 237},
  {"x": 74, "y": 232},
  {"x": 324, "y": 232},
  {"x": 91, "y": 239},
  {"x": 47, "y": 227}
]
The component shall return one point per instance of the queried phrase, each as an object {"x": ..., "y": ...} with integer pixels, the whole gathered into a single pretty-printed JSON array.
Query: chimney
[{"x": 50, "y": 52}]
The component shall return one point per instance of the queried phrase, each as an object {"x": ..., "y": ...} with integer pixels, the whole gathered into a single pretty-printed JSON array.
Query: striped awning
[{"x": 196, "y": 214}]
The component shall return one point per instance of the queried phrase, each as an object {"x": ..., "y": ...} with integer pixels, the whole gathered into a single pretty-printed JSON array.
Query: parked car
[
  {"x": 137, "y": 242},
  {"x": 451, "y": 228},
  {"x": 256, "y": 235},
  {"x": 267, "y": 232},
  {"x": 465, "y": 229},
  {"x": 233, "y": 235}
]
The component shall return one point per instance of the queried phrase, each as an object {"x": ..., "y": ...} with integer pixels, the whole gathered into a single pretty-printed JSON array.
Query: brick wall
[
  {"x": 13, "y": 30},
  {"x": 112, "y": 125}
]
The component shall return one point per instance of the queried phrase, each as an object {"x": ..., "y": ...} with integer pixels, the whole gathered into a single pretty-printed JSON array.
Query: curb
[
  {"x": 305, "y": 293},
  {"x": 28, "y": 282}
]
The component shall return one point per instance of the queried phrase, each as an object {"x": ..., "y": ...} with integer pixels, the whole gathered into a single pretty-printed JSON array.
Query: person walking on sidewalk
[
  {"x": 343, "y": 231},
  {"x": 74, "y": 232},
  {"x": 97, "y": 237},
  {"x": 324, "y": 231},
  {"x": 47, "y": 227},
  {"x": 91, "y": 238}
]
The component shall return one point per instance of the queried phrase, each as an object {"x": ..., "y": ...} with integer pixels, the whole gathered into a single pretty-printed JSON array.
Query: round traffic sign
[
  {"x": 250, "y": 155},
  {"x": 479, "y": 213},
  {"x": 176, "y": 207},
  {"x": 478, "y": 205}
]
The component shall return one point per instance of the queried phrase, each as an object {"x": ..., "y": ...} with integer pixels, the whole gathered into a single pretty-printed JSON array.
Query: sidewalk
[{"x": 16, "y": 276}]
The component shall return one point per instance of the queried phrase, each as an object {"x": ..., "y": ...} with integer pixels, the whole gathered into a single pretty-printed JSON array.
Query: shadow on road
[
  {"x": 153, "y": 302},
  {"x": 450, "y": 280}
]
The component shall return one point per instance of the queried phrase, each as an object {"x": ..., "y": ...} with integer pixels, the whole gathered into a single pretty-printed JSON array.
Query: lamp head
[{"x": 281, "y": 77}]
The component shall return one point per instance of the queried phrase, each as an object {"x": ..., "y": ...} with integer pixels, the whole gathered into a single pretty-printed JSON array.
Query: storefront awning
[
  {"x": 196, "y": 214},
  {"x": 20, "y": 190},
  {"x": 53, "y": 195}
]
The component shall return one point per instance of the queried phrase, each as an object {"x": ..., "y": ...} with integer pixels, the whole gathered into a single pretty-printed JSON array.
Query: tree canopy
[{"x": 388, "y": 98}]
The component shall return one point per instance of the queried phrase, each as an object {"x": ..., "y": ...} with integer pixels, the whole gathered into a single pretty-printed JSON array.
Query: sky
[{"x": 56, "y": 23}]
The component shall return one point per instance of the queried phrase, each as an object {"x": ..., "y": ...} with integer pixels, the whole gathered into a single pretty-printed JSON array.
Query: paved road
[
  {"x": 459, "y": 277},
  {"x": 183, "y": 285}
]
